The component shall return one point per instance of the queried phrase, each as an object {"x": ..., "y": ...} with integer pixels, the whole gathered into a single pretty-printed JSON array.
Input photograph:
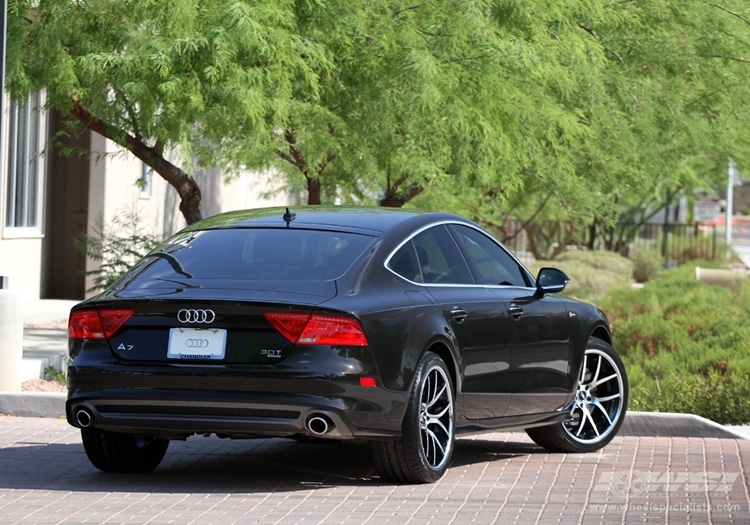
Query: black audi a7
[{"x": 400, "y": 328}]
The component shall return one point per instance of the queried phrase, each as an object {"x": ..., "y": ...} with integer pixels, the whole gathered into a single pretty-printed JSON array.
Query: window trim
[
  {"x": 450, "y": 223},
  {"x": 37, "y": 110}
]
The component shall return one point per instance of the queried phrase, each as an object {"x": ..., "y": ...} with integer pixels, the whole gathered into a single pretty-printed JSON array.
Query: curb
[
  {"x": 665, "y": 424},
  {"x": 636, "y": 424},
  {"x": 33, "y": 404}
]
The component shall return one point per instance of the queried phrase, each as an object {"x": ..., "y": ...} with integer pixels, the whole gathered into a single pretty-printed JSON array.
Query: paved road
[{"x": 495, "y": 478}]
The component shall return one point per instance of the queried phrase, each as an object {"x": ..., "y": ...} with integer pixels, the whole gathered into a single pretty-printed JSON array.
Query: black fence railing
[{"x": 676, "y": 243}]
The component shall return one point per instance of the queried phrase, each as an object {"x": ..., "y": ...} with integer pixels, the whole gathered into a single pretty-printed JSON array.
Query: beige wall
[
  {"x": 20, "y": 260},
  {"x": 20, "y": 249}
]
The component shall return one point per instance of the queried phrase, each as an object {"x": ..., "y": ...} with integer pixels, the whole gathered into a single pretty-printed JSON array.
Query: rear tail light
[
  {"x": 97, "y": 324},
  {"x": 315, "y": 329}
]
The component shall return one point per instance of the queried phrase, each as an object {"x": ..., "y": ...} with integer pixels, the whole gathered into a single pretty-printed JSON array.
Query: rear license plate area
[{"x": 197, "y": 344}]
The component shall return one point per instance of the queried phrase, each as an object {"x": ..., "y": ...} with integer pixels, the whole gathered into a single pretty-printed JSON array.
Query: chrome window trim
[{"x": 387, "y": 261}]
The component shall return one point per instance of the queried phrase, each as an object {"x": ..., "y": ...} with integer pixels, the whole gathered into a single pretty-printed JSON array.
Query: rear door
[
  {"x": 478, "y": 320},
  {"x": 541, "y": 349}
]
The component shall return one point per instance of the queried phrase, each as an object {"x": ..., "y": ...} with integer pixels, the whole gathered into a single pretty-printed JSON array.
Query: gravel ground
[{"x": 42, "y": 385}]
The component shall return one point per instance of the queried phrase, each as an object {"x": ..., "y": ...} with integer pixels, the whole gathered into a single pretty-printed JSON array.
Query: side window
[
  {"x": 432, "y": 257},
  {"x": 404, "y": 262},
  {"x": 494, "y": 264}
]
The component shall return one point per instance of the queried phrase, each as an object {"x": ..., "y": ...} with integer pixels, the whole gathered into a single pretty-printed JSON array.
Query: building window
[{"x": 26, "y": 135}]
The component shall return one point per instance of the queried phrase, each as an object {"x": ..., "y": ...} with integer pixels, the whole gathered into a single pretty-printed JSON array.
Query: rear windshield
[{"x": 255, "y": 254}]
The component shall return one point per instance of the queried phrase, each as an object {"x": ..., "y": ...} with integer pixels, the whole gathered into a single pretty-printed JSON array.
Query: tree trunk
[
  {"x": 313, "y": 191},
  {"x": 187, "y": 188},
  {"x": 394, "y": 199}
]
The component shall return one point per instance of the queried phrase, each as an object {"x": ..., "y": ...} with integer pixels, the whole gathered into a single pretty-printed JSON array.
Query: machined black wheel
[
  {"x": 424, "y": 451},
  {"x": 599, "y": 406},
  {"x": 119, "y": 452}
]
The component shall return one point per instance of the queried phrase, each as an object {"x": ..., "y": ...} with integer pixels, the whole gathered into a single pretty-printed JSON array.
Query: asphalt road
[{"x": 495, "y": 478}]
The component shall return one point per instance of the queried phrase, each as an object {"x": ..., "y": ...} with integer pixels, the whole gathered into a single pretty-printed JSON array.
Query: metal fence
[{"x": 676, "y": 243}]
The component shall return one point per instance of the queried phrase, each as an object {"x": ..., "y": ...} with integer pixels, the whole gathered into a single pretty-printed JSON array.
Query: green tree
[{"x": 213, "y": 81}]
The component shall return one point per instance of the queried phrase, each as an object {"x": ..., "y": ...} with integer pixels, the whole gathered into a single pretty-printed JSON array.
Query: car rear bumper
[
  {"x": 180, "y": 414},
  {"x": 178, "y": 400}
]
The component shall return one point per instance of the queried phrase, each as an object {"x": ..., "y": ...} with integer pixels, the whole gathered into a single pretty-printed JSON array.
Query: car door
[
  {"x": 540, "y": 345},
  {"x": 478, "y": 320}
]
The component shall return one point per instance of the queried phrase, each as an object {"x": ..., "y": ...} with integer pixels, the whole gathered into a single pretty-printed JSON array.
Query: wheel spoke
[
  {"x": 600, "y": 407},
  {"x": 598, "y": 369},
  {"x": 608, "y": 398},
  {"x": 591, "y": 420},
  {"x": 581, "y": 424},
  {"x": 435, "y": 398},
  {"x": 436, "y": 446},
  {"x": 440, "y": 414},
  {"x": 602, "y": 381},
  {"x": 583, "y": 369}
]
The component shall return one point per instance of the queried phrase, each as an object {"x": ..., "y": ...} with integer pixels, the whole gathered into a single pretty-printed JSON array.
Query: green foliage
[
  {"x": 592, "y": 273},
  {"x": 647, "y": 262},
  {"x": 686, "y": 345},
  {"x": 116, "y": 246},
  {"x": 55, "y": 375}
]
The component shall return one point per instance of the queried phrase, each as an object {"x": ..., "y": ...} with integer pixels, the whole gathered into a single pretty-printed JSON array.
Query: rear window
[{"x": 255, "y": 254}]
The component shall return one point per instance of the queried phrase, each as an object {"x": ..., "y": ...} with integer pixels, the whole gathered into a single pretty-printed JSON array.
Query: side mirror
[{"x": 551, "y": 280}]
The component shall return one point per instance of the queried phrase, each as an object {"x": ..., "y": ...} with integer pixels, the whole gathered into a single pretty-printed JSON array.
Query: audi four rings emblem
[
  {"x": 196, "y": 343},
  {"x": 196, "y": 316}
]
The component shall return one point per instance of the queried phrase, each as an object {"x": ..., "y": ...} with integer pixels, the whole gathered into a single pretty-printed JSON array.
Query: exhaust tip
[
  {"x": 84, "y": 418},
  {"x": 319, "y": 425}
]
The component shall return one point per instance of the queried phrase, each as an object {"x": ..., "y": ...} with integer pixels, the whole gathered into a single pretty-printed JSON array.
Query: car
[{"x": 399, "y": 328}]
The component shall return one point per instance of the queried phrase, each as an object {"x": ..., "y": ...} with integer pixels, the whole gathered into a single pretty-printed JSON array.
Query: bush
[
  {"x": 647, "y": 262},
  {"x": 686, "y": 345},
  {"x": 116, "y": 246},
  {"x": 592, "y": 273}
]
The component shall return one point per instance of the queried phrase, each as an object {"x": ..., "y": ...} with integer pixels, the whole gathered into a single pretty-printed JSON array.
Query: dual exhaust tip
[{"x": 317, "y": 424}]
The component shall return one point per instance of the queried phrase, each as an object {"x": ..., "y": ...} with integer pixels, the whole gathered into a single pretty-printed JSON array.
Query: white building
[{"x": 47, "y": 199}]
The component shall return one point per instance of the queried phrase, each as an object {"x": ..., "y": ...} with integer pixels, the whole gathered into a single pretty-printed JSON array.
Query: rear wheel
[
  {"x": 599, "y": 407},
  {"x": 120, "y": 452},
  {"x": 424, "y": 451}
]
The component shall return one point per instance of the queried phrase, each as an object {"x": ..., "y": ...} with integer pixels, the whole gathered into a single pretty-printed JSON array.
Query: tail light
[
  {"x": 315, "y": 329},
  {"x": 97, "y": 324}
]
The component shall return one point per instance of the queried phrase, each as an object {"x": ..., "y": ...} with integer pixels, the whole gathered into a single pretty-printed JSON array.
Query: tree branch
[
  {"x": 717, "y": 6},
  {"x": 187, "y": 188}
]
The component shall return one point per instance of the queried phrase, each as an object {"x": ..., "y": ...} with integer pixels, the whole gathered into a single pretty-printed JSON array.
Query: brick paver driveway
[{"x": 495, "y": 478}]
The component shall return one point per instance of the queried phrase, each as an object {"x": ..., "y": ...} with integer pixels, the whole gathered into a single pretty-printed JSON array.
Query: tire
[
  {"x": 423, "y": 452},
  {"x": 124, "y": 453},
  {"x": 599, "y": 406}
]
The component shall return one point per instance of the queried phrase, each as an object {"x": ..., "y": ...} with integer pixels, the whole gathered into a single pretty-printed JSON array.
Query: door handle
[
  {"x": 515, "y": 311},
  {"x": 458, "y": 315}
]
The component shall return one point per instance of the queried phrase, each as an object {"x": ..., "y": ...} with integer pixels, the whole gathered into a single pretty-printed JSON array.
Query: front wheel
[
  {"x": 424, "y": 451},
  {"x": 120, "y": 452},
  {"x": 599, "y": 406}
]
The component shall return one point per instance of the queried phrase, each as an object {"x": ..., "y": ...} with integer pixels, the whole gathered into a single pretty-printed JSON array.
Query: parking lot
[{"x": 495, "y": 478}]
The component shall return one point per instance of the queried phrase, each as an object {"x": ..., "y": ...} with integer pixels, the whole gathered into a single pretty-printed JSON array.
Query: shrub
[
  {"x": 116, "y": 246},
  {"x": 647, "y": 262},
  {"x": 686, "y": 345},
  {"x": 591, "y": 273}
]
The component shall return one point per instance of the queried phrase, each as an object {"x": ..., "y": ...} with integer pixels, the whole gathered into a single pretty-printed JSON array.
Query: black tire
[
  {"x": 423, "y": 452},
  {"x": 599, "y": 407},
  {"x": 125, "y": 453}
]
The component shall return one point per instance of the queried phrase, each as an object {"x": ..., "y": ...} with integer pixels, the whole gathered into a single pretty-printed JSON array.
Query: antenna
[{"x": 289, "y": 217}]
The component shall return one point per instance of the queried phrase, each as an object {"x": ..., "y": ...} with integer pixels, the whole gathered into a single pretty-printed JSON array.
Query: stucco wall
[{"x": 20, "y": 260}]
